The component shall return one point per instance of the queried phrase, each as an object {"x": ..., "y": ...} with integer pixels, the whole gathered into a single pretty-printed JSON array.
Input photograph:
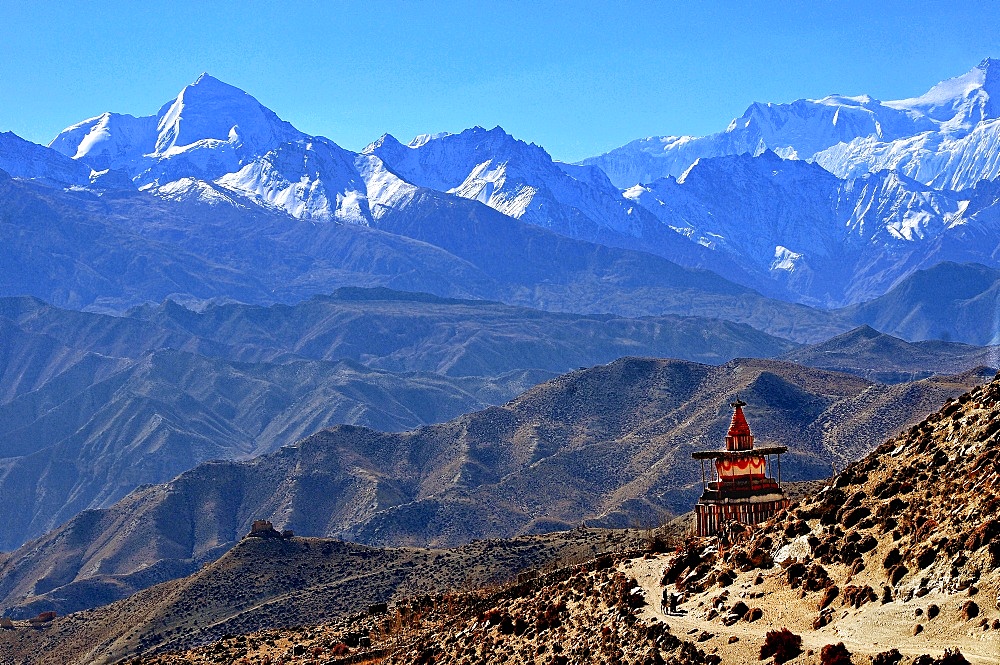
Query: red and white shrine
[{"x": 741, "y": 489}]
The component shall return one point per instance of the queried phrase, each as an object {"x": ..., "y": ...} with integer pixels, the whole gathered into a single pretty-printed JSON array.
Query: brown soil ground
[{"x": 872, "y": 629}]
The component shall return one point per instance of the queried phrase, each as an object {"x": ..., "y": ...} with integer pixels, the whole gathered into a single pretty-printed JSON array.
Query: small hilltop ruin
[{"x": 264, "y": 529}]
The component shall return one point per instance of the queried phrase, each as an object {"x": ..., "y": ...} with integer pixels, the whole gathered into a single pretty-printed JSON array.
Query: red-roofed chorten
[{"x": 742, "y": 490}]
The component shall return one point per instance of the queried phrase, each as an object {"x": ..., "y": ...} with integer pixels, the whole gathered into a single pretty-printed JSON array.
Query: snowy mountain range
[
  {"x": 946, "y": 138},
  {"x": 826, "y": 202}
]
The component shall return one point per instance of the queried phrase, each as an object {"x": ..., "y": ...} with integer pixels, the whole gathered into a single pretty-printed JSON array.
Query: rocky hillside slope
[
  {"x": 897, "y": 561},
  {"x": 578, "y": 615},
  {"x": 282, "y": 582},
  {"x": 902, "y": 550},
  {"x": 609, "y": 446}
]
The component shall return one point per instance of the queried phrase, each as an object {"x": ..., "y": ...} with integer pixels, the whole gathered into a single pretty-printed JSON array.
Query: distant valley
[{"x": 141, "y": 398}]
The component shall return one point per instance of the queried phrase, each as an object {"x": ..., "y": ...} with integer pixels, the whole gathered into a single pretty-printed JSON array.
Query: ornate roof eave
[{"x": 753, "y": 452}]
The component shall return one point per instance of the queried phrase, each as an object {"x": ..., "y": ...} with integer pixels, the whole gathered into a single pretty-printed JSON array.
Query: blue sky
[{"x": 577, "y": 78}]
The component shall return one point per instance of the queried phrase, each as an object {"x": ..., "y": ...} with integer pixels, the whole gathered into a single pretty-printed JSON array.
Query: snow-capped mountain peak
[
  {"x": 962, "y": 101},
  {"x": 421, "y": 139},
  {"x": 212, "y": 109},
  {"x": 212, "y": 135}
]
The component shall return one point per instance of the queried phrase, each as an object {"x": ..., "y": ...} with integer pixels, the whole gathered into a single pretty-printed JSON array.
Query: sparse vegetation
[{"x": 782, "y": 645}]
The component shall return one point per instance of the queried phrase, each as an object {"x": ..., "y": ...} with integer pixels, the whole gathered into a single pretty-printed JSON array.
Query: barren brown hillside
[{"x": 607, "y": 446}]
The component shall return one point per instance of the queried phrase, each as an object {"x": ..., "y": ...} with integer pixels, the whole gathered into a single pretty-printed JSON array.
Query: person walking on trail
[{"x": 668, "y": 604}]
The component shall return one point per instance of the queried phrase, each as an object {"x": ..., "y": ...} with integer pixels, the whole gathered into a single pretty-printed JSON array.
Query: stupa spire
[{"x": 739, "y": 436}]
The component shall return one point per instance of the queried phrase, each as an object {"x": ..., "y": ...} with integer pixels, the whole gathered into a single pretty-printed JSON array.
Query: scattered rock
[{"x": 828, "y": 596}]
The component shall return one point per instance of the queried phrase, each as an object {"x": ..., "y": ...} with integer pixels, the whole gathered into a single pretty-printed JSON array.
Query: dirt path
[{"x": 870, "y": 630}]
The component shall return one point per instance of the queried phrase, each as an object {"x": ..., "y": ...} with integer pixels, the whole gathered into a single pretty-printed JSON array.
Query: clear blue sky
[{"x": 578, "y": 78}]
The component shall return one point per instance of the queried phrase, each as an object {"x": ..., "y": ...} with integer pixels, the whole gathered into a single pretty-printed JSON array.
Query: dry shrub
[
  {"x": 782, "y": 644},
  {"x": 951, "y": 658},
  {"x": 835, "y": 654},
  {"x": 970, "y": 610},
  {"x": 890, "y": 657}
]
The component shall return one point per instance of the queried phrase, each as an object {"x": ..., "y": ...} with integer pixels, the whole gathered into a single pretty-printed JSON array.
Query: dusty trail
[{"x": 867, "y": 631}]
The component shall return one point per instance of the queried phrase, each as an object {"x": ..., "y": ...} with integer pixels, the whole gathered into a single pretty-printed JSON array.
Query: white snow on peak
[
  {"x": 385, "y": 189},
  {"x": 211, "y": 109},
  {"x": 213, "y": 132},
  {"x": 309, "y": 179},
  {"x": 844, "y": 100},
  {"x": 422, "y": 139},
  {"x": 793, "y": 224},
  {"x": 516, "y": 178},
  {"x": 961, "y": 101}
]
